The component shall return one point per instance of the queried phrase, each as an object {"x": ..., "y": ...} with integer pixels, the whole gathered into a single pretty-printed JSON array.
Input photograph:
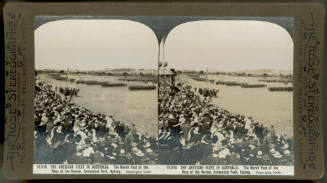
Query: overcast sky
[
  {"x": 225, "y": 45},
  {"x": 95, "y": 44}
]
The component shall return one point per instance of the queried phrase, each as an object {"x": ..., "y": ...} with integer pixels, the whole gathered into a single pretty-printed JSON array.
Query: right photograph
[{"x": 226, "y": 94}]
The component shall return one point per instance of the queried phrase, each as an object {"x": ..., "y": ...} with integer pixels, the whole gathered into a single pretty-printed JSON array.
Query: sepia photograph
[
  {"x": 226, "y": 93},
  {"x": 95, "y": 93},
  {"x": 164, "y": 90}
]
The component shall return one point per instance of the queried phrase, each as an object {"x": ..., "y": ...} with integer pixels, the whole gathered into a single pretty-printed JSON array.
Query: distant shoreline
[
  {"x": 243, "y": 74},
  {"x": 130, "y": 71}
]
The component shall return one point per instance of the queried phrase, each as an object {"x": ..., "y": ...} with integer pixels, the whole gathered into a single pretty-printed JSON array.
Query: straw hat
[
  {"x": 252, "y": 146},
  {"x": 114, "y": 145},
  {"x": 149, "y": 150},
  {"x": 139, "y": 153},
  {"x": 147, "y": 144},
  {"x": 285, "y": 146},
  {"x": 134, "y": 149},
  {"x": 287, "y": 152},
  {"x": 276, "y": 155}
]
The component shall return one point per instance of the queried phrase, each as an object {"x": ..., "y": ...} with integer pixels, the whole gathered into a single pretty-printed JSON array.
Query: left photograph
[{"x": 95, "y": 92}]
